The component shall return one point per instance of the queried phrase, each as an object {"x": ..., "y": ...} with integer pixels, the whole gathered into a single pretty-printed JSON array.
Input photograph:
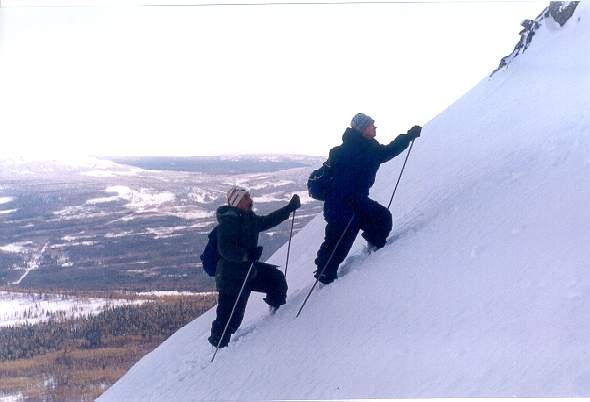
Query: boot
[{"x": 215, "y": 340}]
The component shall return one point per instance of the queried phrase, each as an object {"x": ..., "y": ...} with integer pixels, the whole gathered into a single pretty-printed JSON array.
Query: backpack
[
  {"x": 319, "y": 182},
  {"x": 210, "y": 254}
]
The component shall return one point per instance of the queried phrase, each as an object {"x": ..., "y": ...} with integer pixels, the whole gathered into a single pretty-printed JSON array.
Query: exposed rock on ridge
[{"x": 560, "y": 11}]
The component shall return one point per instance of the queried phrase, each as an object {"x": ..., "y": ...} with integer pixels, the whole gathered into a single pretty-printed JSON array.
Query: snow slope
[{"x": 484, "y": 290}]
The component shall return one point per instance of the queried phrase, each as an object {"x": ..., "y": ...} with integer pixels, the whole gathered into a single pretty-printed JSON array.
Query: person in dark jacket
[
  {"x": 237, "y": 243},
  {"x": 348, "y": 208}
]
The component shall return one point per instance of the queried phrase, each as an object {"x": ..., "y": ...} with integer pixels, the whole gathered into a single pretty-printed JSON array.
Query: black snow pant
[
  {"x": 267, "y": 279},
  {"x": 370, "y": 216}
]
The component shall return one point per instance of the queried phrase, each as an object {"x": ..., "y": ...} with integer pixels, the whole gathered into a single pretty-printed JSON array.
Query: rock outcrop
[{"x": 559, "y": 11}]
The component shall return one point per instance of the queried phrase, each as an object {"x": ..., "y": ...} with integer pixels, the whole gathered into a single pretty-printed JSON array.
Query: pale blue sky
[{"x": 129, "y": 80}]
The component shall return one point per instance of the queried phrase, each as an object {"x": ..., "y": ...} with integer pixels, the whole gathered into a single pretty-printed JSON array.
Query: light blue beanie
[{"x": 360, "y": 121}]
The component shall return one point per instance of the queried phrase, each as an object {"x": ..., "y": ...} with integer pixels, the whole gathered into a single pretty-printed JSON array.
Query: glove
[
  {"x": 254, "y": 254},
  {"x": 295, "y": 203},
  {"x": 414, "y": 132}
]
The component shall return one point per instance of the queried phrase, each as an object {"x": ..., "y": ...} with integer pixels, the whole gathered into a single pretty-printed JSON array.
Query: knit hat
[
  {"x": 360, "y": 121},
  {"x": 235, "y": 195}
]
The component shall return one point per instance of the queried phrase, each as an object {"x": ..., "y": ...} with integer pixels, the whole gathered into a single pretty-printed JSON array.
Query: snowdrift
[{"x": 484, "y": 288}]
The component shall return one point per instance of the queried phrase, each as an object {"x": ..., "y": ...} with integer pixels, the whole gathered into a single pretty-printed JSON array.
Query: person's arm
[
  {"x": 266, "y": 222},
  {"x": 397, "y": 146},
  {"x": 228, "y": 240}
]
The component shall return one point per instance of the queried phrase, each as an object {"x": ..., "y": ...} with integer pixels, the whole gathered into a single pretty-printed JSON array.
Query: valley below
[{"x": 111, "y": 226}]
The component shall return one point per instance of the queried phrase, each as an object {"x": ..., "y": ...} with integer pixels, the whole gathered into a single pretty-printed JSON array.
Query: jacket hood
[
  {"x": 227, "y": 212},
  {"x": 355, "y": 137},
  {"x": 351, "y": 135}
]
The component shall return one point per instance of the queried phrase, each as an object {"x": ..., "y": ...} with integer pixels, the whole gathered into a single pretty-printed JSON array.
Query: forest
[{"x": 77, "y": 359}]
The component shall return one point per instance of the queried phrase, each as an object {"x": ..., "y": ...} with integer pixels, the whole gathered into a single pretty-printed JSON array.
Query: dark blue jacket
[{"x": 354, "y": 165}]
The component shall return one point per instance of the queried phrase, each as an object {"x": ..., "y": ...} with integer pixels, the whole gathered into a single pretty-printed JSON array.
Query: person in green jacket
[{"x": 237, "y": 244}]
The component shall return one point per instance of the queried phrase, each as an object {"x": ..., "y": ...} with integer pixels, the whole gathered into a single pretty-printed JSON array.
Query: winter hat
[
  {"x": 235, "y": 195},
  {"x": 360, "y": 121}
]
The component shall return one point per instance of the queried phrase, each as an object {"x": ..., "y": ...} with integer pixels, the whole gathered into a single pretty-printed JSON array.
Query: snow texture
[
  {"x": 32, "y": 264},
  {"x": 484, "y": 288},
  {"x": 17, "y": 247},
  {"x": 141, "y": 200},
  {"x": 175, "y": 293},
  {"x": 30, "y": 165},
  {"x": 21, "y": 308},
  {"x": 18, "y": 397}
]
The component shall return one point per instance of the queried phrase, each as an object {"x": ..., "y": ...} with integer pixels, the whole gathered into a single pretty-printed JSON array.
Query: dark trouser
[
  {"x": 267, "y": 279},
  {"x": 373, "y": 218}
]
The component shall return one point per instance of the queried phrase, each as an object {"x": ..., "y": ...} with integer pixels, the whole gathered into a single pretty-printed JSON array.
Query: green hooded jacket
[{"x": 236, "y": 234}]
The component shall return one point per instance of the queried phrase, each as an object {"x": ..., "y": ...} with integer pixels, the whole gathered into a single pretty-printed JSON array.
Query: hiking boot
[
  {"x": 371, "y": 248},
  {"x": 214, "y": 341},
  {"x": 325, "y": 279},
  {"x": 275, "y": 302},
  {"x": 273, "y": 309}
]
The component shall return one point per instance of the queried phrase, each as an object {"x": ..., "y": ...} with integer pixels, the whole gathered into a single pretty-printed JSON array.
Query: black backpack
[
  {"x": 318, "y": 184},
  {"x": 210, "y": 254}
]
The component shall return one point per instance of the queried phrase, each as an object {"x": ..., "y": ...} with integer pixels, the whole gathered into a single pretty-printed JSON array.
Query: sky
[{"x": 115, "y": 78}]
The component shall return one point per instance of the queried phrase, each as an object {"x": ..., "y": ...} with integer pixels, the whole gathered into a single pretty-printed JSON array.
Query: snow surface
[
  {"x": 111, "y": 173},
  {"x": 17, "y": 247},
  {"x": 204, "y": 196},
  {"x": 5, "y": 200},
  {"x": 165, "y": 232},
  {"x": 484, "y": 290},
  {"x": 282, "y": 197},
  {"x": 29, "y": 308},
  {"x": 78, "y": 212},
  {"x": 32, "y": 264},
  {"x": 18, "y": 397},
  {"x": 175, "y": 293},
  {"x": 191, "y": 213},
  {"x": 32, "y": 165},
  {"x": 277, "y": 183},
  {"x": 139, "y": 200},
  {"x": 115, "y": 235}
]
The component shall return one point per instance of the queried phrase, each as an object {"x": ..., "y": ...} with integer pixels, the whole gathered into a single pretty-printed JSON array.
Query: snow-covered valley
[{"x": 94, "y": 224}]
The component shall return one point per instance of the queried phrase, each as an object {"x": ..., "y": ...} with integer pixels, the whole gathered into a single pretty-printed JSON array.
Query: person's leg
[
  {"x": 225, "y": 304},
  {"x": 335, "y": 231},
  {"x": 271, "y": 281},
  {"x": 239, "y": 312},
  {"x": 375, "y": 221}
]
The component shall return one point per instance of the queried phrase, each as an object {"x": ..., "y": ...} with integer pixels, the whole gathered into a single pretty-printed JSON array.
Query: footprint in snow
[{"x": 242, "y": 332}]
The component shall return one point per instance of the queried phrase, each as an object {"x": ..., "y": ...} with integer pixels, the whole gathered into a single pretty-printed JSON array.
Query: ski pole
[
  {"x": 325, "y": 266},
  {"x": 400, "y": 173},
  {"x": 289, "y": 246},
  {"x": 232, "y": 311}
]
